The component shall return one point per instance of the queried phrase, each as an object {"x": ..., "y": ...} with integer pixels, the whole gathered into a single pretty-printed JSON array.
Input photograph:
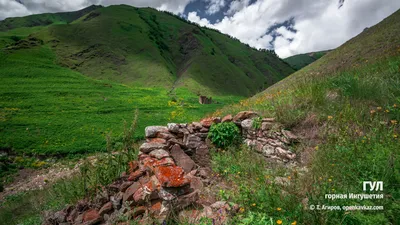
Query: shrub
[{"x": 223, "y": 135}]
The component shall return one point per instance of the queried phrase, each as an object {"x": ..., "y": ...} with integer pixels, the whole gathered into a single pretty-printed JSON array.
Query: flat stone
[
  {"x": 128, "y": 195},
  {"x": 204, "y": 130},
  {"x": 268, "y": 150},
  {"x": 268, "y": 120},
  {"x": 106, "y": 208},
  {"x": 182, "y": 159},
  {"x": 148, "y": 147},
  {"x": 197, "y": 125},
  {"x": 159, "y": 154},
  {"x": 193, "y": 141},
  {"x": 207, "y": 122},
  {"x": 202, "y": 156},
  {"x": 218, "y": 205},
  {"x": 125, "y": 186},
  {"x": 173, "y": 127},
  {"x": 156, "y": 140},
  {"x": 171, "y": 176},
  {"x": 152, "y": 131},
  {"x": 136, "y": 175},
  {"x": 227, "y": 118},
  {"x": 186, "y": 200},
  {"x": 289, "y": 135},
  {"x": 91, "y": 217},
  {"x": 247, "y": 124},
  {"x": 267, "y": 126},
  {"x": 245, "y": 115}
]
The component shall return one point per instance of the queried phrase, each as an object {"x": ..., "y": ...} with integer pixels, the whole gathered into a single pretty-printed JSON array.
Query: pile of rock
[{"x": 172, "y": 168}]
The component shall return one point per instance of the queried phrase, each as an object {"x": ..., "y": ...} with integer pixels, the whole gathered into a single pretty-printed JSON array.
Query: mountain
[
  {"x": 345, "y": 107},
  {"x": 297, "y": 62},
  {"x": 146, "y": 47}
]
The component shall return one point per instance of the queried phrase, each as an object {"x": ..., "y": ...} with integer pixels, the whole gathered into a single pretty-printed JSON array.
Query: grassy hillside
[
  {"x": 44, "y": 19},
  {"x": 345, "y": 107},
  {"x": 297, "y": 62},
  {"x": 151, "y": 48}
]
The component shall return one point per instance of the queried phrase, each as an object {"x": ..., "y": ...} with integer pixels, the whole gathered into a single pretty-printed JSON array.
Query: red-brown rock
[
  {"x": 244, "y": 115},
  {"x": 128, "y": 195},
  {"x": 156, "y": 140},
  {"x": 106, "y": 208},
  {"x": 135, "y": 175},
  {"x": 91, "y": 217},
  {"x": 171, "y": 176},
  {"x": 207, "y": 122},
  {"x": 227, "y": 118}
]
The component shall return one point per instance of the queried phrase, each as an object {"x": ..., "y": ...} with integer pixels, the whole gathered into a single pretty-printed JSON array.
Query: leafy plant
[
  {"x": 224, "y": 134},
  {"x": 257, "y": 123}
]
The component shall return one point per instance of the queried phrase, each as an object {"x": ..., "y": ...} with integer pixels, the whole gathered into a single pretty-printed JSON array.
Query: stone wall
[{"x": 173, "y": 167}]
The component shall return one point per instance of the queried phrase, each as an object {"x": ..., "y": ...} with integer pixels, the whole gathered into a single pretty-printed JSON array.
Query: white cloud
[
  {"x": 214, "y": 6},
  {"x": 12, "y": 8},
  {"x": 237, "y": 5},
  {"x": 320, "y": 24}
]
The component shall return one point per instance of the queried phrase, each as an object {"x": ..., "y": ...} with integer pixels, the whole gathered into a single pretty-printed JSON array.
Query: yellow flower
[
  {"x": 257, "y": 178},
  {"x": 394, "y": 106},
  {"x": 363, "y": 141},
  {"x": 379, "y": 108},
  {"x": 394, "y": 135},
  {"x": 294, "y": 223},
  {"x": 330, "y": 180},
  {"x": 320, "y": 178},
  {"x": 241, "y": 210},
  {"x": 330, "y": 117},
  {"x": 394, "y": 122},
  {"x": 387, "y": 110},
  {"x": 279, "y": 222},
  {"x": 333, "y": 189},
  {"x": 225, "y": 171},
  {"x": 278, "y": 209},
  {"x": 372, "y": 111},
  {"x": 316, "y": 147},
  {"x": 289, "y": 177},
  {"x": 254, "y": 204}
]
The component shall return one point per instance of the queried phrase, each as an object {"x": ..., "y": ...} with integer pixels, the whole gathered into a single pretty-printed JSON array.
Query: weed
[{"x": 224, "y": 134}]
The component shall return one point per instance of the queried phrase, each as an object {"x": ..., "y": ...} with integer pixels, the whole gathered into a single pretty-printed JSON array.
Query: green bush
[{"x": 223, "y": 135}]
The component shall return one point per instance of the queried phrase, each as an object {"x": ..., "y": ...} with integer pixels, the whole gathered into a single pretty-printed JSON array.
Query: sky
[{"x": 289, "y": 27}]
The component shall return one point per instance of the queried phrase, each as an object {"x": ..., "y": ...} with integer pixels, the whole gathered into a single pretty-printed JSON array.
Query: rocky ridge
[{"x": 172, "y": 169}]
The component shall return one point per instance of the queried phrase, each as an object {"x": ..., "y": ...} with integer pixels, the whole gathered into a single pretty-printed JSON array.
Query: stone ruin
[
  {"x": 173, "y": 167},
  {"x": 205, "y": 100}
]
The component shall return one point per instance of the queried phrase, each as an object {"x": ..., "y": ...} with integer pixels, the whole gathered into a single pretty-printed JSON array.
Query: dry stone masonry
[{"x": 172, "y": 168}]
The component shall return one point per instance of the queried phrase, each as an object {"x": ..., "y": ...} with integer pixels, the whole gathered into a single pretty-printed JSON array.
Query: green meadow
[{"x": 46, "y": 109}]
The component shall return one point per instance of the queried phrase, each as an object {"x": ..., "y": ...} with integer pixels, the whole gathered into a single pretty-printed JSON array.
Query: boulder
[
  {"x": 266, "y": 126},
  {"x": 148, "y": 147},
  {"x": 182, "y": 159},
  {"x": 152, "y": 131},
  {"x": 268, "y": 150},
  {"x": 184, "y": 201},
  {"x": 202, "y": 156}
]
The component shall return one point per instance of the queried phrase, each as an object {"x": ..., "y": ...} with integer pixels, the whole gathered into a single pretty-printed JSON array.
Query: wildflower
[
  {"x": 257, "y": 178},
  {"x": 333, "y": 164},
  {"x": 279, "y": 222},
  {"x": 394, "y": 135},
  {"x": 239, "y": 172},
  {"x": 289, "y": 177},
  {"x": 333, "y": 189},
  {"x": 241, "y": 210},
  {"x": 379, "y": 108},
  {"x": 330, "y": 180},
  {"x": 387, "y": 110},
  {"x": 363, "y": 141},
  {"x": 330, "y": 117},
  {"x": 225, "y": 171},
  {"x": 394, "y": 106},
  {"x": 316, "y": 147},
  {"x": 394, "y": 122},
  {"x": 294, "y": 223},
  {"x": 254, "y": 204},
  {"x": 320, "y": 178},
  {"x": 372, "y": 111},
  {"x": 278, "y": 209}
]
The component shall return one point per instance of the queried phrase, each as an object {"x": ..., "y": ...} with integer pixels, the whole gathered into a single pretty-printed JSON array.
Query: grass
[
  {"x": 49, "y": 110},
  {"x": 300, "y": 61},
  {"x": 146, "y": 47},
  {"x": 349, "y": 117}
]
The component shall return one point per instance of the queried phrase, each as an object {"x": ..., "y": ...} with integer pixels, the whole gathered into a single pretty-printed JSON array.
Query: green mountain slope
[
  {"x": 44, "y": 19},
  {"x": 346, "y": 109},
  {"x": 151, "y": 48},
  {"x": 297, "y": 62}
]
